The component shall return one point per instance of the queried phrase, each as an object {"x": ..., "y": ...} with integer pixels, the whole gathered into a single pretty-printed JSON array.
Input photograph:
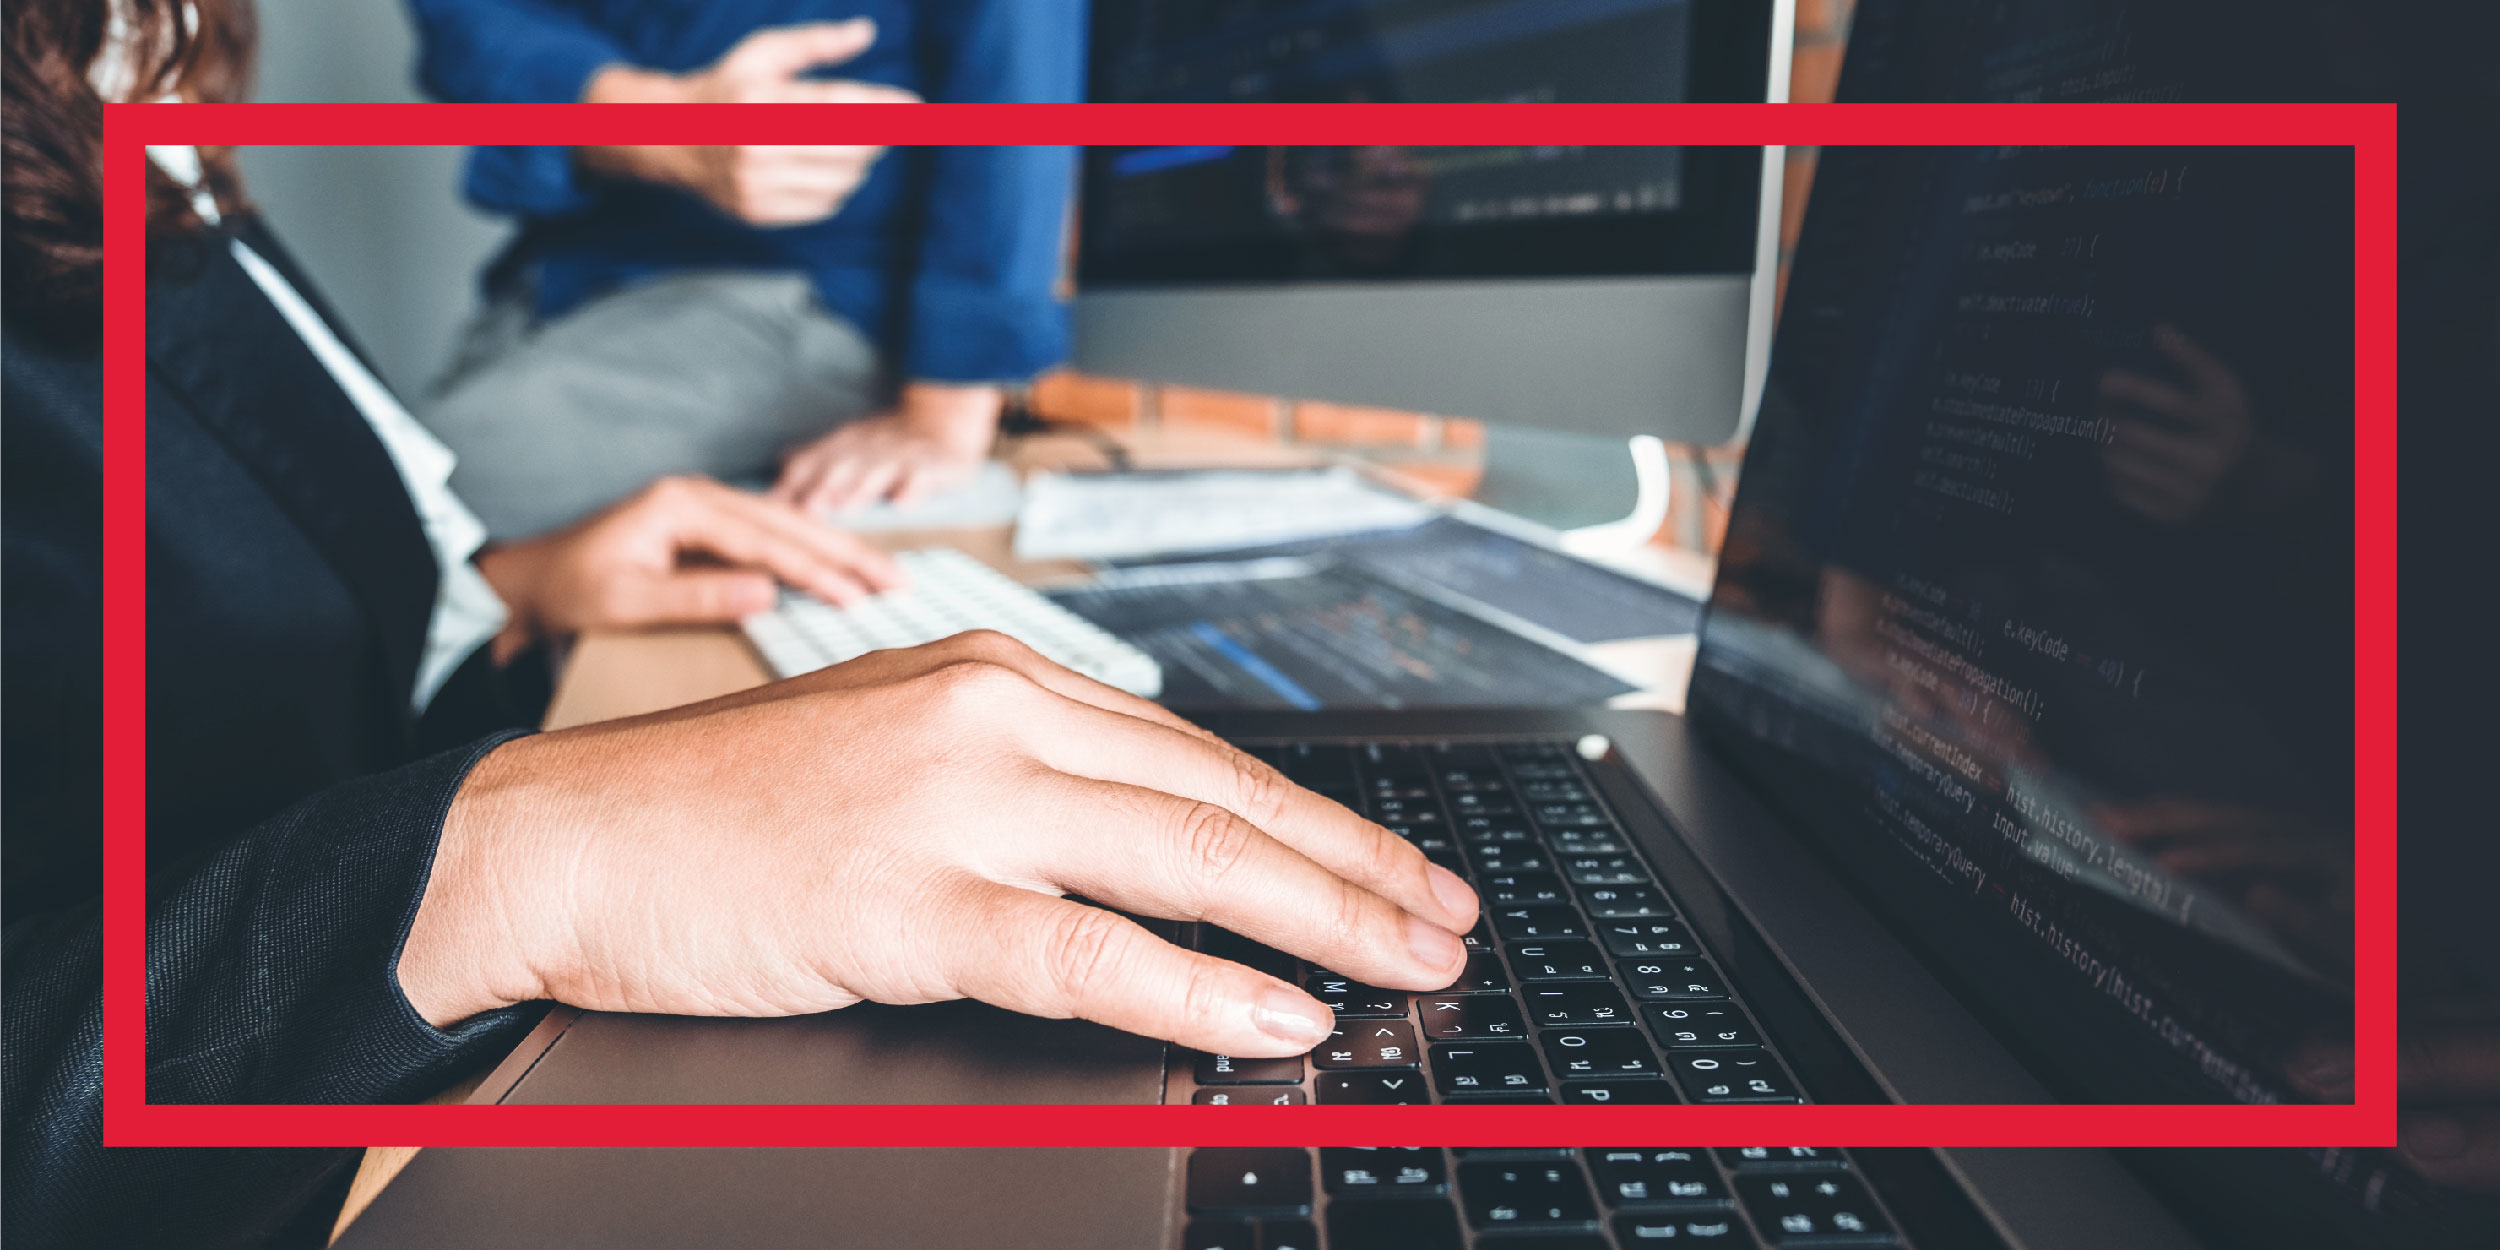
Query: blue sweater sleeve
[
  {"x": 984, "y": 300},
  {"x": 513, "y": 51}
]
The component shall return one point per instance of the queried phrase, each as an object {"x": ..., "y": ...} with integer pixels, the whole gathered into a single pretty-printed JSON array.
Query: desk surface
[{"x": 628, "y": 674}]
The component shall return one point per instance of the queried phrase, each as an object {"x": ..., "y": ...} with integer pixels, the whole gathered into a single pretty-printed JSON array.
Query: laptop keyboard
[
  {"x": 1581, "y": 986},
  {"x": 1427, "y": 1198}
]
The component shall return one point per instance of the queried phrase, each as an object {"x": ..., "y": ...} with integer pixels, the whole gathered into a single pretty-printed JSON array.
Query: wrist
[
  {"x": 465, "y": 955},
  {"x": 963, "y": 417},
  {"x": 512, "y": 570},
  {"x": 664, "y": 164}
]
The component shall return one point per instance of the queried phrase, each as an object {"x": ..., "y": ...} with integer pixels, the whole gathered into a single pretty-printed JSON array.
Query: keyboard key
[
  {"x": 1357, "y": 1171},
  {"x": 1494, "y": 832},
  {"x": 1393, "y": 1226},
  {"x": 1557, "y": 961},
  {"x": 1714, "y": 1232},
  {"x": 1670, "y": 1179},
  {"x": 1482, "y": 975},
  {"x": 1479, "y": 940},
  {"x": 1655, "y": 939},
  {"x": 1460, "y": 1068},
  {"x": 1781, "y": 1158},
  {"x": 1553, "y": 816},
  {"x": 1250, "y": 1180},
  {"x": 1249, "y": 1096},
  {"x": 1552, "y": 1241},
  {"x": 1351, "y": 998},
  {"x": 1497, "y": 859},
  {"x": 1831, "y": 1208},
  {"x": 1731, "y": 1076},
  {"x": 1660, "y": 980},
  {"x": 1226, "y": 944},
  {"x": 1566, "y": 1003},
  {"x": 1217, "y": 1235},
  {"x": 1516, "y": 889},
  {"x": 1616, "y": 869},
  {"x": 1228, "y": 1070},
  {"x": 1603, "y": 1093},
  {"x": 1376, "y": 1088},
  {"x": 1578, "y": 1053},
  {"x": 1369, "y": 1044},
  {"x": 1586, "y": 842},
  {"x": 1700, "y": 1026},
  {"x": 1613, "y": 902},
  {"x": 1456, "y": 1017},
  {"x": 1525, "y": 1195},
  {"x": 1288, "y": 1235}
]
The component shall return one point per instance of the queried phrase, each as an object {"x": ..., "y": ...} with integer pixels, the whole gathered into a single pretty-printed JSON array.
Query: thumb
[
  {"x": 698, "y": 597},
  {"x": 788, "y": 51}
]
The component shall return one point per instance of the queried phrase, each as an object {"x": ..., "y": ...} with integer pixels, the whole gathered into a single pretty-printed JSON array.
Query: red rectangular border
[{"x": 2369, "y": 130}]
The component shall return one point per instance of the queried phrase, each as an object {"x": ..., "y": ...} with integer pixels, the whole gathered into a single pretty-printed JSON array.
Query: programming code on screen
[{"x": 2036, "y": 603}]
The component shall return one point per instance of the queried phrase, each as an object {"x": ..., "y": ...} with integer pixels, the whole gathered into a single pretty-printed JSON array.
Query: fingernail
[
  {"x": 1292, "y": 1017},
  {"x": 1455, "y": 897},
  {"x": 1434, "y": 946},
  {"x": 2432, "y": 1135}
]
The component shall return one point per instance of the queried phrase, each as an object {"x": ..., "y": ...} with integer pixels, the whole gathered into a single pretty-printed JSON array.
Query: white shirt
[{"x": 467, "y": 611}]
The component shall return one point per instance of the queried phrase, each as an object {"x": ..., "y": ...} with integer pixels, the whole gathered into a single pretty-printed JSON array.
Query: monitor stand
[{"x": 1594, "y": 493}]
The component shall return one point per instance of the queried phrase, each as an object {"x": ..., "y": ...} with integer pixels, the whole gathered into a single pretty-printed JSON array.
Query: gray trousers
[{"x": 703, "y": 371}]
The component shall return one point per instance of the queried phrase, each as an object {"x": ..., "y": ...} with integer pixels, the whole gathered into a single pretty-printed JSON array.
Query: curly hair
[{"x": 52, "y": 136}]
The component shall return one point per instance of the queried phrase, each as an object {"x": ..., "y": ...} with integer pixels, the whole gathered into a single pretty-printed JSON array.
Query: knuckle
[
  {"x": 1349, "y": 922},
  {"x": 1213, "y": 841},
  {"x": 1204, "y": 1001},
  {"x": 1263, "y": 790},
  {"x": 1082, "y": 953},
  {"x": 971, "y": 685},
  {"x": 989, "y": 646}
]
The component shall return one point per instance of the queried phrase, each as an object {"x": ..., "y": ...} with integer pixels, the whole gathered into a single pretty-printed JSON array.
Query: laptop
[{"x": 2016, "y": 769}]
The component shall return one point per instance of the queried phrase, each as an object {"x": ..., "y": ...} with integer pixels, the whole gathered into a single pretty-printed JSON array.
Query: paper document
[
  {"x": 1123, "y": 516},
  {"x": 989, "y": 497}
]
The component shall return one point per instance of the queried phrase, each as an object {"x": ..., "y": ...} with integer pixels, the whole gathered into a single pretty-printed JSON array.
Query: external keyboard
[
  {"x": 1427, "y": 1198},
  {"x": 948, "y": 593},
  {"x": 1581, "y": 985}
]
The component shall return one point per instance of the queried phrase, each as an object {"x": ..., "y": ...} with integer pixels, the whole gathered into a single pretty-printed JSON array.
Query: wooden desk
[{"x": 629, "y": 674}]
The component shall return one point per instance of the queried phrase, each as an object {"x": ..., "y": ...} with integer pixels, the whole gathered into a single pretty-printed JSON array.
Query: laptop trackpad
[{"x": 938, "y": 1053}]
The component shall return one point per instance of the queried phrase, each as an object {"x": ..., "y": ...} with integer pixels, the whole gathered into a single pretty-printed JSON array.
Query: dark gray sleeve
[{"x": 272, "y": 978}]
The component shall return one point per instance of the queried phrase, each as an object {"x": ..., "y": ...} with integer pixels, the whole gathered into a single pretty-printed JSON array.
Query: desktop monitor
[{"x": 1603, "y": 290}]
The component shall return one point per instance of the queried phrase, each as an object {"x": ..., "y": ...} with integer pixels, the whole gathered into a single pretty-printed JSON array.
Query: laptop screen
[{"x": 2035, "y": 605}]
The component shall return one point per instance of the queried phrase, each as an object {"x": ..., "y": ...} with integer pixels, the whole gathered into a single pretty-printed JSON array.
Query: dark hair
[{"x": 52, "y": 137}]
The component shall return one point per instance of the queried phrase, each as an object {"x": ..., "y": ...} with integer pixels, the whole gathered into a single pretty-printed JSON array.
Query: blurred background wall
[{"x": 383, "y": 230}]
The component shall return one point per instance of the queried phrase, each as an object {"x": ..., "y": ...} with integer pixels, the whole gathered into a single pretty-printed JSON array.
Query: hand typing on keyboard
[{"x": 902, "y": 828}]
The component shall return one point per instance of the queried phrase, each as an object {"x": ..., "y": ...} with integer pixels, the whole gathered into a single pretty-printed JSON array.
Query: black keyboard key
[
  {"x": 1372, "y": 1171},
  {"x": 1578, "y": 1054},
  {"x": 1465, "y": 1153},
  {"x": 1316, "y": 766},
  {"x": 1711, "y": 1232},
  {"x": 1652, "y": 939},
  {"x": 1564, "y": 1004},
  {"x": 1250, "y": 1180},
  {"x": 1617, "y": 869},
  {"x": 1552, "y": 817},
  {"x": 1781, "y": 1158},
  {"x": 1586, "y": 842},
  {"x": 1228, "y": 1070},
  {"x": 1520, "y": 889},
  {"x": 1495, "y": 833},
  {"x": 1525, "y": 1195},
  {"x": 1368, "y": 1044},
  {"x": 1393, "y": 1226},
  {"x": 1666, "y": 980},
  {"x": 1249, "y": 1096},
  {"x": 1618, "y": 902},
  {"x": 1731, "y": 1076},
  {"x": 1351, "y": 999},
  {"x": 1552, "y": 1241},
  {"x": 1463, "y": 1068},
  {"x": 1537, "y": 923},
  {"x": 1225, "y": 944},
  {"x": 1470, "y": 1017},
  {"x": 1495, "y": 859},
  {"x": 1482, "y": 975},
  {"x": 1557, "y": 961},
  {"x": 1377, "y": 1087},
  {"x": 1479, "y": 940},
  {"x": 1218, "y": 1235},
  {"x": 1680, "y": 1180},
  {"x": 1813, "y": 1209},
  {"x": 1607, "y": 1093},
  {"x": 1288, "y": 1235},
  {"x": 1700, "y": 1026}
]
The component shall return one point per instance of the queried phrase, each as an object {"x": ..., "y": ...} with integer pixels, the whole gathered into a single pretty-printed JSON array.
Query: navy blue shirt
[{"x": 948, "y": 258}]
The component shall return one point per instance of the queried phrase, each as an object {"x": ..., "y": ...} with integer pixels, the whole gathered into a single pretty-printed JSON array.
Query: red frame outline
[{"x": 129, "y": 1120}]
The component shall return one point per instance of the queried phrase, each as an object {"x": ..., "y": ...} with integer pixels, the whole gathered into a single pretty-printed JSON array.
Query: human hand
[
  {"x": 2172, "y": 447},
  {"x": 685, "y": 550},
  {"x": 760, "y": 184},
  {"x": 934, "y": 439},
  {"x": 902, "y": 829}
]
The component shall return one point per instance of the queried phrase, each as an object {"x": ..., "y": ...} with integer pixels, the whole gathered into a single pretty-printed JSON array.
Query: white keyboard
[{"x": 949, "y": 592}]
